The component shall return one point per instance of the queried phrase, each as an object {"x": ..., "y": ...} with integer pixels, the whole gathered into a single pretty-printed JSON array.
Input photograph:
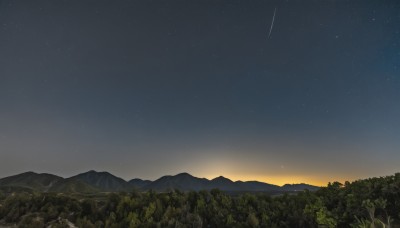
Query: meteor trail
[{"x": 272, "y": 24}]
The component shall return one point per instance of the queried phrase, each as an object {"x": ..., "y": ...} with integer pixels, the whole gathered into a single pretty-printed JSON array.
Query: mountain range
[{"x": 92, "y": 182}]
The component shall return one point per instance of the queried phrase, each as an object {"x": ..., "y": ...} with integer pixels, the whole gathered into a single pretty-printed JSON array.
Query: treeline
[{"x": 372, "y": 202}]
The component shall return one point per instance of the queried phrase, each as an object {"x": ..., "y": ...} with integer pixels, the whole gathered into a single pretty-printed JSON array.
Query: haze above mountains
[{"x": 92, "y": 182}]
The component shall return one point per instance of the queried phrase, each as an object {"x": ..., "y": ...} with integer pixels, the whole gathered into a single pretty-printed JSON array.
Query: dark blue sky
[{"x": 147, "y": 88}]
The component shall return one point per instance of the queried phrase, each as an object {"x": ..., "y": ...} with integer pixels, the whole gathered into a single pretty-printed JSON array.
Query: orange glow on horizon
[
  {"x": 282, "y": 180},
  {"x": 236, "y": 170}
]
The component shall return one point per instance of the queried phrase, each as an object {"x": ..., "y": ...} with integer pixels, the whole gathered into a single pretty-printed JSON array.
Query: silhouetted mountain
[
  {"x": 299, "y": 187},
  {"x": 139, "y": 183},
  {"x": 103, "y": 181},
  {"x": 182, "y": 181},
  {"x": 35, "y": 181},
  {"x": 257, "y": 186},
  {"x": 222, "y": 183},
  {"x": 92, "y": 181},
  {"x": 186, "y": 182}
]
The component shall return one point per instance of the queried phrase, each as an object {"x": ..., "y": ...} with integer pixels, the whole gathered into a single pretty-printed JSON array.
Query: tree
[{"x": 252, "y": 220}]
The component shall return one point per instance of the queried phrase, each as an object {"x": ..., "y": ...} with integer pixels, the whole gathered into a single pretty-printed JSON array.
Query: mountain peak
[
  {"x": 31, "y": 180},
  {"x": 139, "y": 183},
  {"x": 221, "y": 178},
  {"x": 96, "y": 172},
  {"x": 184, "y": 174},
  {"x": 29, "y": 172},
  {"x": 104, "y": 181}
]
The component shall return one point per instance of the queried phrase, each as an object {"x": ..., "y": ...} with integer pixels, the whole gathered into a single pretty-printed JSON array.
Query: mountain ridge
[
  {"x": 94, "y": 181},
  {"x": 103, "y": 181}
]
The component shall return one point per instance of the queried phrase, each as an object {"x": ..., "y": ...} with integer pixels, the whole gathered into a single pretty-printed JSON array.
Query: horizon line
[{"x": 233, "y": 180}]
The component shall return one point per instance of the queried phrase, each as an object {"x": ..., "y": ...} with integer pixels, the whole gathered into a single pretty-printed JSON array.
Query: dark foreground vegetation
[{"x": 372, "y": 202}]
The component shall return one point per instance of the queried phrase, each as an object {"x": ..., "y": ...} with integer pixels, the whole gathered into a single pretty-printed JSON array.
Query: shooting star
[{"x": 272, "y": 24}]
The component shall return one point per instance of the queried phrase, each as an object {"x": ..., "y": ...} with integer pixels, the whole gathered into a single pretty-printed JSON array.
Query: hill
[
  {"x": 34, "y": 181},
  {"x": 93, "y": 181},
  {"x": 299, "y": 187},
  {"x": 139, "y": 183},
  {"x": 182, "y": 181},
  {"x": 257, "y": 186},
  {"x": 187, "y": 182},
  {"x": 103, "y": 181}
]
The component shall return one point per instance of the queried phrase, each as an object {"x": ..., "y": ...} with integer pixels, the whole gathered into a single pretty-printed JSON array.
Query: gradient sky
[{"x": 145, "y": 88}]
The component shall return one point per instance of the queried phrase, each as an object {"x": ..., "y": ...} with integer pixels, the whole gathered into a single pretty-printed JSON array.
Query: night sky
[{"x": 145, "y": 88}]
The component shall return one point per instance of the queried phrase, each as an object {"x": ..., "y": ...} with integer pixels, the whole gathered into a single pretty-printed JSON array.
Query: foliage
[{"x": 373, "y": 202}]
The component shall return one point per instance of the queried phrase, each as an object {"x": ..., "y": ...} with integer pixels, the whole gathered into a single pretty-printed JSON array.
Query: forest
[{"x": 373, "y": 202}]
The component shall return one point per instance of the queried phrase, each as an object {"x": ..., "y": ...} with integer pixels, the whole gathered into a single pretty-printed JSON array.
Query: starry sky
[{"x": 145, "y": 88}]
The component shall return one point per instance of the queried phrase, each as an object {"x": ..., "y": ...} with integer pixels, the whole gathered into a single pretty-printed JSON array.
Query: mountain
[
  {"x": 103, "y": 181},
  {"x": 92, "y": 182},
  {"x": 299, "y": 187},
  {"x": 187, "y": 182},
  {"x": 139, "y": 183},
  {"x": 223, "y": 184},
  {"x": 30, "y": 180},
  {"x": 182, "y": 181},
  {"x": 257, "y": 186}
]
